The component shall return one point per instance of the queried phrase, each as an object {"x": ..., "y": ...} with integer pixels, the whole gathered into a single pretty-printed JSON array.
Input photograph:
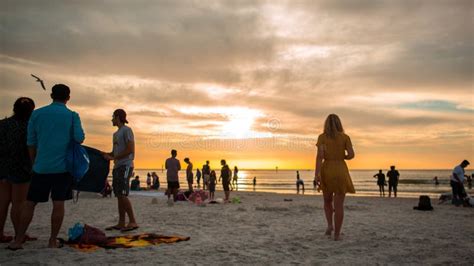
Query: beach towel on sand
[{"x": 130, "y": 241}]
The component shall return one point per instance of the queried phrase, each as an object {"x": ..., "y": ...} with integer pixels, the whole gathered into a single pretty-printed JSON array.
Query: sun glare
[{"x": 239, "y": 126}]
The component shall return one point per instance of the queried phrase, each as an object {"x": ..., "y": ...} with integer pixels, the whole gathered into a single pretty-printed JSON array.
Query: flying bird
[{"x": 39, "y": 80}]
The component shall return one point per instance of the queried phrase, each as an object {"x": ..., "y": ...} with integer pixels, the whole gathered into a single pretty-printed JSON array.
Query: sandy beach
[{"x": 264, "y": 229}]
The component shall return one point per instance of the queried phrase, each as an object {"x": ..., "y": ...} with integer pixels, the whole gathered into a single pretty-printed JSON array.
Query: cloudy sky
[{"x": 253, "y": 81}]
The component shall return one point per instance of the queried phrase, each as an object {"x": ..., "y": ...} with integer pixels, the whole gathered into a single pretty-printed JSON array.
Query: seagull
[{"x": 39, "y": 80}]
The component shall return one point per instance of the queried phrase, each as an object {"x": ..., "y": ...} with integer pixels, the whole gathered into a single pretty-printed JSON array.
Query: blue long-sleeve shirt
[{"x": 49, "y": 130}]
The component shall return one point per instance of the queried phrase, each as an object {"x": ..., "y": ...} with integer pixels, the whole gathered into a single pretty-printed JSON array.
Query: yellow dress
[{"x": 335, "y": 177}]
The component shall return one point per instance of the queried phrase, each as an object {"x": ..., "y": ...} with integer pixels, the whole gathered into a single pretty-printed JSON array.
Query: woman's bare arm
[
  {"x": 350, "y": 153},
  {"x": 319, "y": 162}
]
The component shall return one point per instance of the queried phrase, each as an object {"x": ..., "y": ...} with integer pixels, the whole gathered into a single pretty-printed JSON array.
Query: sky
[{"x": 253, "y": 81}]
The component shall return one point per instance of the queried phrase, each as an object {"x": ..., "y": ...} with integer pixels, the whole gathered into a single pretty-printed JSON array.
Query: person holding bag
[{"x": 48, "y": 139}]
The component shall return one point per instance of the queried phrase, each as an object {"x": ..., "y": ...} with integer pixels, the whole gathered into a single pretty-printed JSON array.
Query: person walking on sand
[
  {"x": 123, "y": 154},
  {"x": 172, "y": 168},
  {"x": 299, "y": 182},
  {"x": 334, "y": 147},
  {"x": 206, "y": 171},
  {"x": 393, "y": 176},
  {"x": 51, "y": 129},
  {"x": 381, "y": 182},
  {"x": 457, "y": 183},
  {"x": 15, "y": 165},
  {"x": 189, "y": 173},
  {"x": 198, "y": 177},
  {"x": 225, "y": 176}
]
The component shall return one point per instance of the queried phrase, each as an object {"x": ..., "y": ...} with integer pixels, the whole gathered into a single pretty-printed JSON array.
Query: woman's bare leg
[
  {"x": 19, "y": 193},
  {"x": 328, "y": 211},
  {"x": 5, "y": 199},
  {"x": 338, "y": 215}
]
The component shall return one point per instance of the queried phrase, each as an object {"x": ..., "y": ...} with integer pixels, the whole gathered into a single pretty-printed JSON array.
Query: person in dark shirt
[
  {"x": 135, "y": 186},
  {"x": 381, "y": 182},
  {"x": 225, "y": 176},
  {"x": 15, "y": 164},
  {"x": 393, "y": 176},
  {"x": 299, "y": 182},
  {"x": 156, "y": 181}
]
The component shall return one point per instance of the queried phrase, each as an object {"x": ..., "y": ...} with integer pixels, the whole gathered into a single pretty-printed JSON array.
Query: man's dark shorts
[
  {"x": 225, "y": 185},
  {"x": 392, "y": 186},
  {"x": 58, "y": 185},
  {"x": 459, "y": 193},
  {"x": 173, "y": 184},
  {"x": 121, "y": 180}
]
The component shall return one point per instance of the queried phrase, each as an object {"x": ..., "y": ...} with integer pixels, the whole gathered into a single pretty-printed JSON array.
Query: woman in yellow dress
[{"x": 334, "y": 147}]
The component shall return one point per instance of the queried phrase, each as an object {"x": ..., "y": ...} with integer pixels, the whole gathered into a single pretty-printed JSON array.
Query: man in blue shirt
[{"x": 50, "y": 132}]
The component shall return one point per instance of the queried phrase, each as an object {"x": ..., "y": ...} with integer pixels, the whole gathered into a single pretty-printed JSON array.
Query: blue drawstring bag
[
  {"x": 75, "y": 232},
  {"x": 77, "y": 159}
]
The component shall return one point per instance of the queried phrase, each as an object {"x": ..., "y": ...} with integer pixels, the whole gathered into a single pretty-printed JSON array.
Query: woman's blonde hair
[{"x": 333, "y": 125}]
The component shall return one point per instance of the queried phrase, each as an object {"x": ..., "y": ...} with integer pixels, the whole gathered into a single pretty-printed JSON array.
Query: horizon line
[{"x": 312, "y": 169}]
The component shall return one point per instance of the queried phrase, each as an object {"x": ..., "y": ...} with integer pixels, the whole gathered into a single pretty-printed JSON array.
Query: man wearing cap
[
  {"x": 50, "y": 132},
  {"x": 457, "y": 179},
  {"x": 122, "y": 154}
]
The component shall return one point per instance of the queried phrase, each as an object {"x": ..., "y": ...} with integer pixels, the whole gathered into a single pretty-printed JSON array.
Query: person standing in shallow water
[
  {"x": 235, "y": 178},
  {"x": 299, "y": 182},
  {"x": 393, "y": 176},
  {"x": 381, "y": 182},
  {"x": 334, "y": 147}
]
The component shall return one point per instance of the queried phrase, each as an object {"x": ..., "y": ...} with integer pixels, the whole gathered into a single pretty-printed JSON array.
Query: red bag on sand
[{"x": 92, "y": 236}]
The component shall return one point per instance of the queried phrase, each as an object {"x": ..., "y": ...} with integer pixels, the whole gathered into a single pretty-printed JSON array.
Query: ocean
[{"x": 412, "y": 183}]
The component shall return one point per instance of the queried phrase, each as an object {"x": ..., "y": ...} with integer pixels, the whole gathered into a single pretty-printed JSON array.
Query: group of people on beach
[
  {"x": 173, "y": 166},
  {"x": 33, "y": 168},
  {"x": 34, "y": 146},
  {"x": 393, "y": 177},
  {"x": 152, "y": 182}
]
